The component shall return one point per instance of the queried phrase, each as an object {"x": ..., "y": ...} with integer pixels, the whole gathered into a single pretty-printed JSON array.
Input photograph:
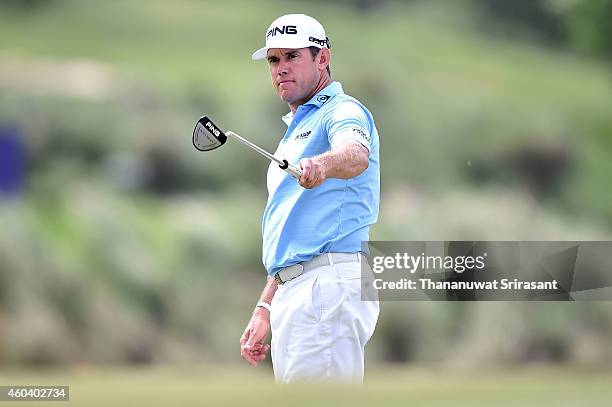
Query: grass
[{"x": 385, "y": 386}]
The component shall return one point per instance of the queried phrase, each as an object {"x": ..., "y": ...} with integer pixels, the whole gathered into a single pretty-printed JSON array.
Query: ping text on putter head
[{"x": 208, "y": 136}]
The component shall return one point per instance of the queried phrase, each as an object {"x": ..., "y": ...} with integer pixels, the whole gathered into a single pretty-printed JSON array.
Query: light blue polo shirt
[{"x": 300, "y": 223}]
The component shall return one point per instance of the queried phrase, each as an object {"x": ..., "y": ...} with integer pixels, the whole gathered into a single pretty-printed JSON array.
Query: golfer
[{"x": 313, "y": 229}]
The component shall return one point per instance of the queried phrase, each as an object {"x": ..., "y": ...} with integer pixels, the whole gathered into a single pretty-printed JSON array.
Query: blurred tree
[
  {"x": 535, "y": 16},
  {"x": 581, "y": 24},
  {"x": 367, "y": 5},
  {"x": 588, "y": 23},
  {"x": 544, "y": 168},
  {"x": 25, "y": 5}
]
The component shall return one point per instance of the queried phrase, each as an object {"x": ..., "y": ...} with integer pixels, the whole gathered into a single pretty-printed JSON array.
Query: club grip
[{"x": 291, "y": 169}]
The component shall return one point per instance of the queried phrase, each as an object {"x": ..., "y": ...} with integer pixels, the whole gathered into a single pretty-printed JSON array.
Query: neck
[{"x": 324, "y": 81}]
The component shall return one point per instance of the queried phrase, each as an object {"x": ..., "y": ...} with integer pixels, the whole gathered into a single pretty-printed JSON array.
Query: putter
[{"x": 208, "y": 136}]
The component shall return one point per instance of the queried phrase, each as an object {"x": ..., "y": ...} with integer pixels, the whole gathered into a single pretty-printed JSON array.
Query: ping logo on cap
[{"x": 286, "y": 29}]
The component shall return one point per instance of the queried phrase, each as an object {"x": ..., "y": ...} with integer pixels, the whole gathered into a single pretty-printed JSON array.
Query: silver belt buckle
[
  {"x": 278, "y": 279},
  {"x": 289, "y": 273}
]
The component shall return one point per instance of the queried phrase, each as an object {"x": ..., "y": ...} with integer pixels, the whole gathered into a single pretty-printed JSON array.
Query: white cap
[{"x": 293, "y": 31}]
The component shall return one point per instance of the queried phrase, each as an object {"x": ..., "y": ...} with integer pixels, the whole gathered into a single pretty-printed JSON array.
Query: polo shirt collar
[
  {"x": 319, "y": 99},
  {"x": 325, "y": 94}
]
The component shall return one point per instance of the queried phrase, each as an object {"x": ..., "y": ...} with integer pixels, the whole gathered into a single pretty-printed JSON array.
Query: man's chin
[{"x": 285, "y": 98}]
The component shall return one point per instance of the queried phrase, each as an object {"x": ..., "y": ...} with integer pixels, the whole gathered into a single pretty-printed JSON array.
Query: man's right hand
[{"x": 252, "y": 348}]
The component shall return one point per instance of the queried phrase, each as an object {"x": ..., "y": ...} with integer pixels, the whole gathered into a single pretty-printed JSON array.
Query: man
[{"x": 313, "y": 229}]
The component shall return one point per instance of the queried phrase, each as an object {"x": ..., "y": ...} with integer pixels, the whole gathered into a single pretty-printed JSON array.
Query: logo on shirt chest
[{"x": 303, "y": 136}]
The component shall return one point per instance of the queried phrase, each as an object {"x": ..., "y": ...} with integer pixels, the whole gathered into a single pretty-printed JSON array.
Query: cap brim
[{"x": 260, "y": 54}]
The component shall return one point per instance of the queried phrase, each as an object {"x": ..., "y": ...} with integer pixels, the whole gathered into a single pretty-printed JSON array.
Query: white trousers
[{"x": 320, "y": 325}]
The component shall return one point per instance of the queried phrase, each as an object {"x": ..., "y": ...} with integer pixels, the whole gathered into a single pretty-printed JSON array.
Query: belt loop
[
  {"x": 359, "y": 257},
  {"x": 331, "y": 259}
]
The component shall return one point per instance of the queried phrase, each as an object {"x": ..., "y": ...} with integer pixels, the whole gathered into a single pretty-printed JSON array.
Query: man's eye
[
  {"x": 291, "y": 56},
  {"x": 272, "y": 60}
]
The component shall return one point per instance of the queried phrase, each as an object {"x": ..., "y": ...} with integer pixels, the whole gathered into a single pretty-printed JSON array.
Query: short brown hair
[{"x": 314, "y": 51}]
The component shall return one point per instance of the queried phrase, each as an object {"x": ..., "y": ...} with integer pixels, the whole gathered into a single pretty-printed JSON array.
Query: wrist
[
  {"x": 322, "y": 163},
  {"x": 262, "y": 306}
]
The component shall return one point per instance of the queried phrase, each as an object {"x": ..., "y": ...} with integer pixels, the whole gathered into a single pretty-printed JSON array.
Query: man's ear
[{"x": 323, "y": 59}]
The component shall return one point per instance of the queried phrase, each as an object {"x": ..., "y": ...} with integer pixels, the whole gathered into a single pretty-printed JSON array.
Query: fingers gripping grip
[{"x": 291, "y": 169}]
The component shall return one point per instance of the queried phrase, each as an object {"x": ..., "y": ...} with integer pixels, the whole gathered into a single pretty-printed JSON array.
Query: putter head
[{"x": 207, "y": 136}]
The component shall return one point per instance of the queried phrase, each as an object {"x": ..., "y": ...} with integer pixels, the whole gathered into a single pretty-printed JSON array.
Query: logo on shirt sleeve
[{"x": 362, "y": 133}]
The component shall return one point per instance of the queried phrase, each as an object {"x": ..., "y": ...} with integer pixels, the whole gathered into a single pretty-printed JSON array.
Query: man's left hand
[{"x": 313, "y": 172}]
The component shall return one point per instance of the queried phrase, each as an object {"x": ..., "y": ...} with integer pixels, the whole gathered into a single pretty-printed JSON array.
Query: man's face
[{"x": 294, "y": 73}]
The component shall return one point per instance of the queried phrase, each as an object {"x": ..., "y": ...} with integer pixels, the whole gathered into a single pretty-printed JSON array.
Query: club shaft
[{"x": 255, "y": 147}]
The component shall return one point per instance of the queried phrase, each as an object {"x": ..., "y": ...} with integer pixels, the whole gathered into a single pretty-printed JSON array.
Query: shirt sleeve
[{"x": 348, "y": 121}]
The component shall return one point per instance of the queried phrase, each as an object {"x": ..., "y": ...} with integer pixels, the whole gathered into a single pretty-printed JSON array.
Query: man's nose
[{"x": 283, "y": 67}]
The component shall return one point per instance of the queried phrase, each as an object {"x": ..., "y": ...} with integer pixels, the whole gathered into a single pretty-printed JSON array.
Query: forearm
[
  {"x": 266, "y": 296},
  {"x": 268, "y": 292},
  {"x": 347, "y": 161}
]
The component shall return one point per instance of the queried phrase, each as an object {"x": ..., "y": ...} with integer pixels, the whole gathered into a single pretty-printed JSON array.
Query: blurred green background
[{"x": 121, "y": 247}]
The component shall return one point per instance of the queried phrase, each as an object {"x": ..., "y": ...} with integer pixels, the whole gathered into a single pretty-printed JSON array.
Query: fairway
[{"x": 385, "y": 386}]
